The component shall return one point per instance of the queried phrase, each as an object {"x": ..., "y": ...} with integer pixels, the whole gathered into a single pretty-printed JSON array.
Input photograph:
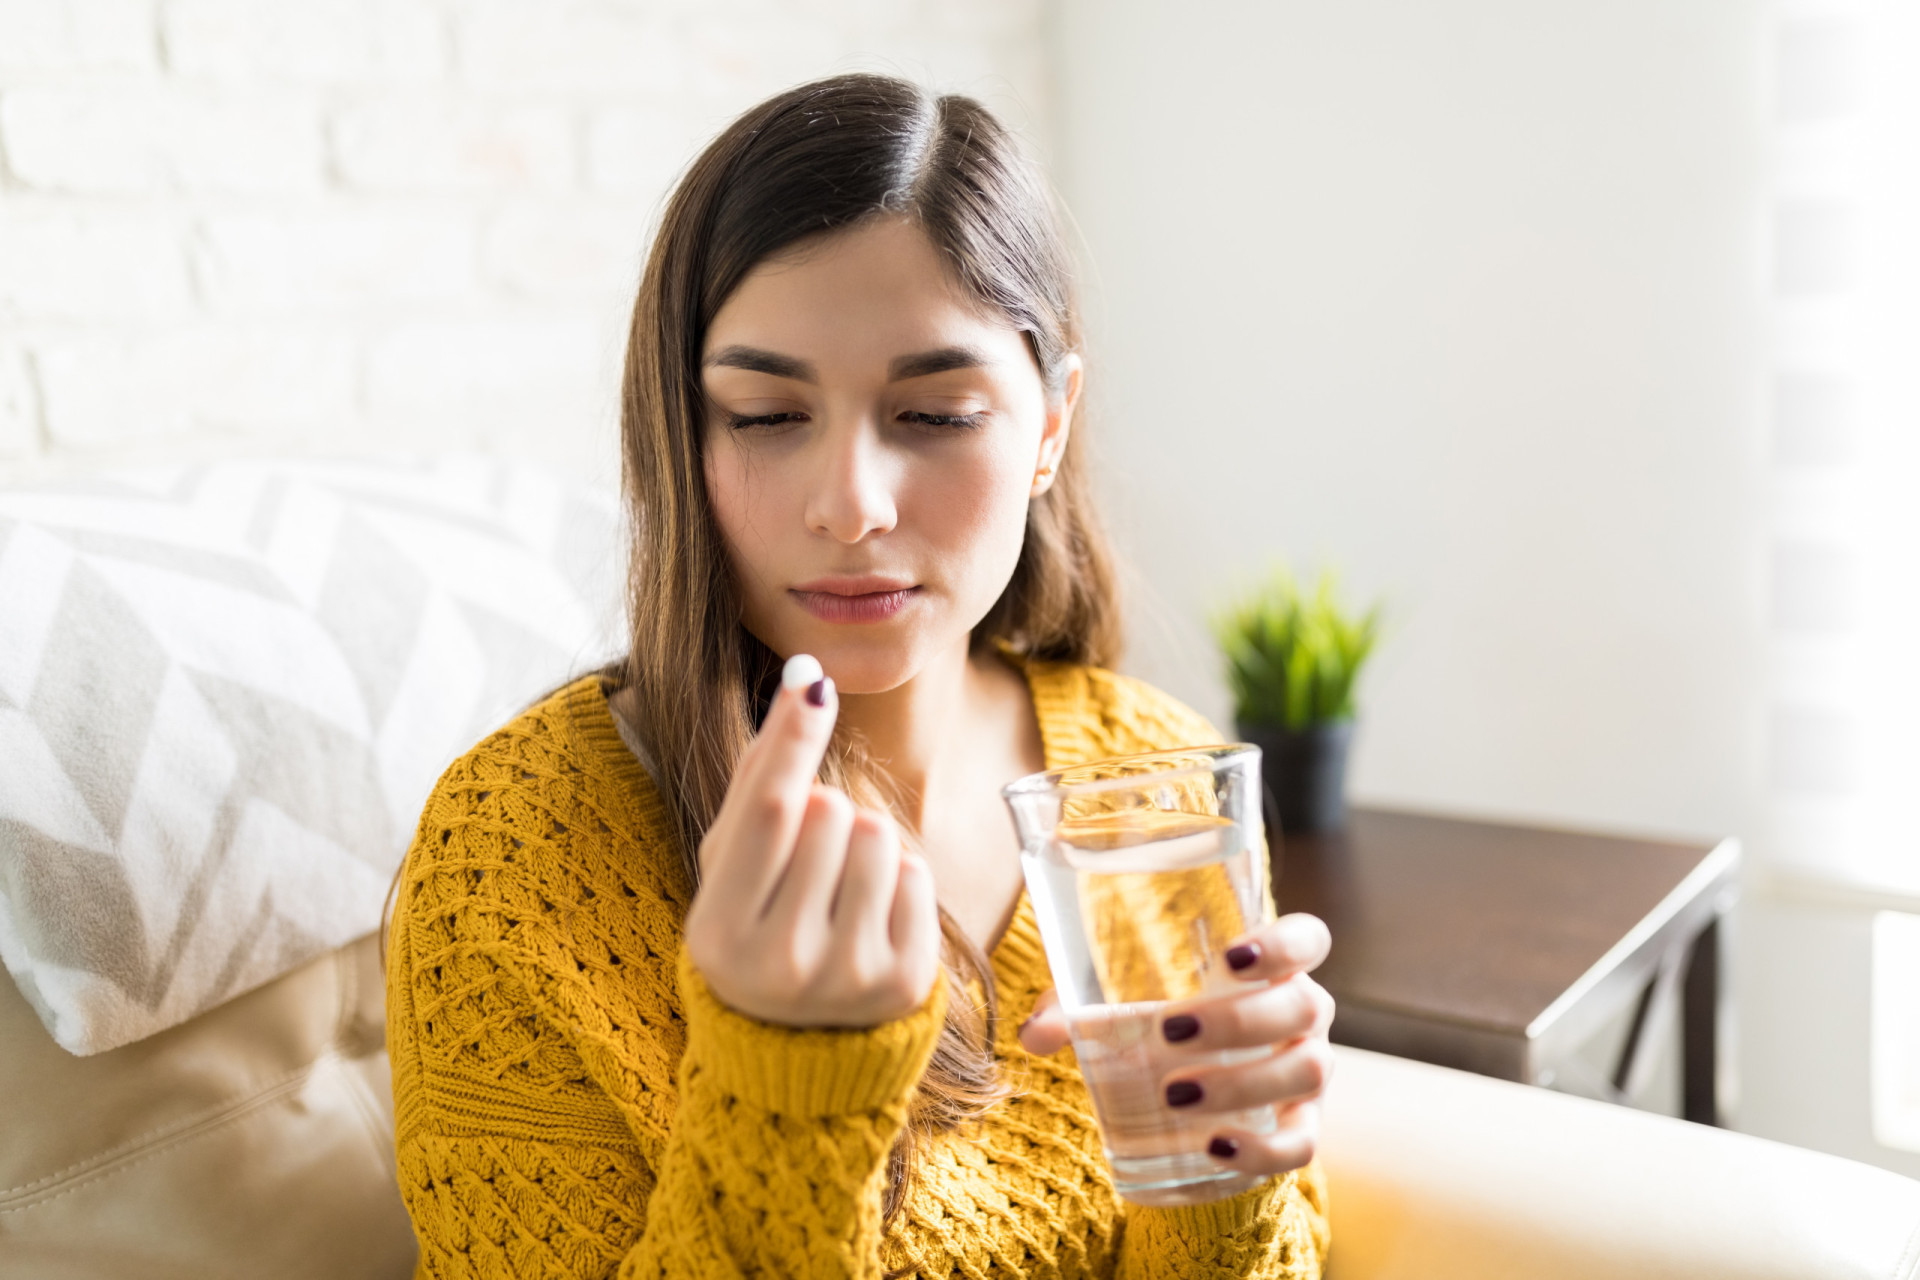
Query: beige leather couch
[
  {"x": 255, "y": 1141},
  {"x": 1441, "y": 1175}
]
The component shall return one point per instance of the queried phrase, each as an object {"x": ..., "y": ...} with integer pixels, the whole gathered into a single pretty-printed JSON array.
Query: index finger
[
  {"x": 768, "y": 793},
  {"x": 1295, "y": 943}
]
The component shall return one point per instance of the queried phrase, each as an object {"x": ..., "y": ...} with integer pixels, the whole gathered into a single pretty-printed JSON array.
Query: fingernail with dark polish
[
  {"x": 1182, "y": 1093},
  {"x": 817, "y": 692},
  {"x": 1180, "y": 1026},
  {"x": 1223, "y": 1148},
  {"x": 1244, "y": 956}
]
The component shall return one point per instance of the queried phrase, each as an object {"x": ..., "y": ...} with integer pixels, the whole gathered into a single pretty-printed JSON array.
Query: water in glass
[{"x": 1137, "y": 903}]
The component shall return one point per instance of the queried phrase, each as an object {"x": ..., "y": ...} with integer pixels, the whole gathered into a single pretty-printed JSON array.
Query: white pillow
[{"x": 225, "y": 691}]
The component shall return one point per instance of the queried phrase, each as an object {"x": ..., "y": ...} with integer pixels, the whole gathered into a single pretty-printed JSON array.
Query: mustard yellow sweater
[{"x": 573, "y": 1101}]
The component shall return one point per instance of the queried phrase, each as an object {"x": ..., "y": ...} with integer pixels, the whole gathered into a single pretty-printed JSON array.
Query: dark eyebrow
[
  {"x": 943, "y": 360},
  {"x": 756, "y": 360}
]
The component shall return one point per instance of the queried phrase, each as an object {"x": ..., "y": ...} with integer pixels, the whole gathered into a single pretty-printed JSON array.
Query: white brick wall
[
  {"x": 292, "y": 225},
  {"x": 77, "y": 35}
]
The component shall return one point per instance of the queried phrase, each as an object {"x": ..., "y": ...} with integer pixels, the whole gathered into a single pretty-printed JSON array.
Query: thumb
[{"x": 1045, "y": 1033}]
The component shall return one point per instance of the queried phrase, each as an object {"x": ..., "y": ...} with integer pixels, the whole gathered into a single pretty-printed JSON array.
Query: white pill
[{"x": 802, "y": 669}]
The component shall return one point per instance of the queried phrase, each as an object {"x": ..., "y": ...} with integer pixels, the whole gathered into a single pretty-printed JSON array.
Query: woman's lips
[{"x": 867, "y": 606}]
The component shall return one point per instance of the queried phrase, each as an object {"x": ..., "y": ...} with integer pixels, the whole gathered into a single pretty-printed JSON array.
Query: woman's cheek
[
  {"x": 738, "y": 492},
  {"x": 978, "y": 519}
]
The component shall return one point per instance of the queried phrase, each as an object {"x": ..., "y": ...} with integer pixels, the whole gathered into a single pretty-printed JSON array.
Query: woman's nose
[{"x": 851, "y": 494}]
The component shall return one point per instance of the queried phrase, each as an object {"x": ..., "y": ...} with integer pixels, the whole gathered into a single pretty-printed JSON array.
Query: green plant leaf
[{"x": 1293, "y": 656}]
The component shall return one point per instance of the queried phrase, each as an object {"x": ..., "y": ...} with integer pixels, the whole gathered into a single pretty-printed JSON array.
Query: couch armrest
[
  {"x": 1438, "y": 1174},
  {"x": 253, "y": 1140}
]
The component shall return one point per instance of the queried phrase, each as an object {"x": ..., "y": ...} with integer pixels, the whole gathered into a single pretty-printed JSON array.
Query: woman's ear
[{"x": 1059, "y": 425}]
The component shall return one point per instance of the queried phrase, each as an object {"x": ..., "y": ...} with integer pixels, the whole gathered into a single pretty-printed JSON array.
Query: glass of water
[{"x": 1143, "y": 870}]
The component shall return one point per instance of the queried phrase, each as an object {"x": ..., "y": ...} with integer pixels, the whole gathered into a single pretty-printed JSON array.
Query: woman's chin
[{"x": 873, "y": 662}]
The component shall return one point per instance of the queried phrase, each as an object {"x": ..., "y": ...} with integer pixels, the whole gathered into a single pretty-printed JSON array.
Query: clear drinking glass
[{"x": 1142, "y": 871}]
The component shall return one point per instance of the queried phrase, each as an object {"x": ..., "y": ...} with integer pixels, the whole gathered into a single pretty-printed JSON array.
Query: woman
[{"x": 708, "y": 965}]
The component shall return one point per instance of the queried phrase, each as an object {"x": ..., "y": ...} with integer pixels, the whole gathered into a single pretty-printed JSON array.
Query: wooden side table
[{"x": 1501, "y": 949}]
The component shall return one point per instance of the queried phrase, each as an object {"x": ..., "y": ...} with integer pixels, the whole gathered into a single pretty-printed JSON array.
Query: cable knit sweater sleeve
[
  {"x": 571, "y": 1100},
  {"x": 1273, "y": 1231},
  {"x": 777, "y": 1163}
]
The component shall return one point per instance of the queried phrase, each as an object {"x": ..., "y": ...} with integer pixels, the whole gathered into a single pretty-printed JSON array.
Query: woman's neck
[{"x": 932, "y": 734}]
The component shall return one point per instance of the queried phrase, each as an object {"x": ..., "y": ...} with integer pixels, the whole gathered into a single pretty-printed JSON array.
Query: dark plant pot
[{"x": 1305, "y": 770}]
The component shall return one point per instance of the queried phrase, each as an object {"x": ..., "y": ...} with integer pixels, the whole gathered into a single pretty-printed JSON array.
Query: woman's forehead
[{"x": 880, "y": 287}]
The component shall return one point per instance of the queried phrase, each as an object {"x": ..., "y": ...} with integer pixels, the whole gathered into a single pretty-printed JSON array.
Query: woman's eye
[
  {"x": 739, "y": 420},
  {"x": 960, "y": 420}
]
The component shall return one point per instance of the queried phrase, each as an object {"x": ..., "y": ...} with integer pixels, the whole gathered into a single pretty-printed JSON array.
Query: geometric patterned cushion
[{"x": 226, "y": 690}]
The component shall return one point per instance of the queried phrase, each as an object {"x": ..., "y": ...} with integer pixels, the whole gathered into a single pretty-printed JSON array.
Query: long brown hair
[{"x": 815, "y": 159}]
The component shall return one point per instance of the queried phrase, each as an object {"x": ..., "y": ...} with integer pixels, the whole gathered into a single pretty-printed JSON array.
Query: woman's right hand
[{"x": 809, "y": 912}]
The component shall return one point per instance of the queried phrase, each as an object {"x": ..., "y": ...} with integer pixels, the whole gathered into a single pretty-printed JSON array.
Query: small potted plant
[{"x": 1292, "y": 659}]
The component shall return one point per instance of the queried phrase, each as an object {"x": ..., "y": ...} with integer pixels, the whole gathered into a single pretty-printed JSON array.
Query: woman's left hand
[{"x": 1281, "y": 1008}]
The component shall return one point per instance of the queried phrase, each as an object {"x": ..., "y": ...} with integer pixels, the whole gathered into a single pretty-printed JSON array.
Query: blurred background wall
[
  {"x": 1530, "y": 318},
  {"x": 1460, "y": 298},
  {"x": 314, "y": 224},
  {"x": 1491, "y": 305}
]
